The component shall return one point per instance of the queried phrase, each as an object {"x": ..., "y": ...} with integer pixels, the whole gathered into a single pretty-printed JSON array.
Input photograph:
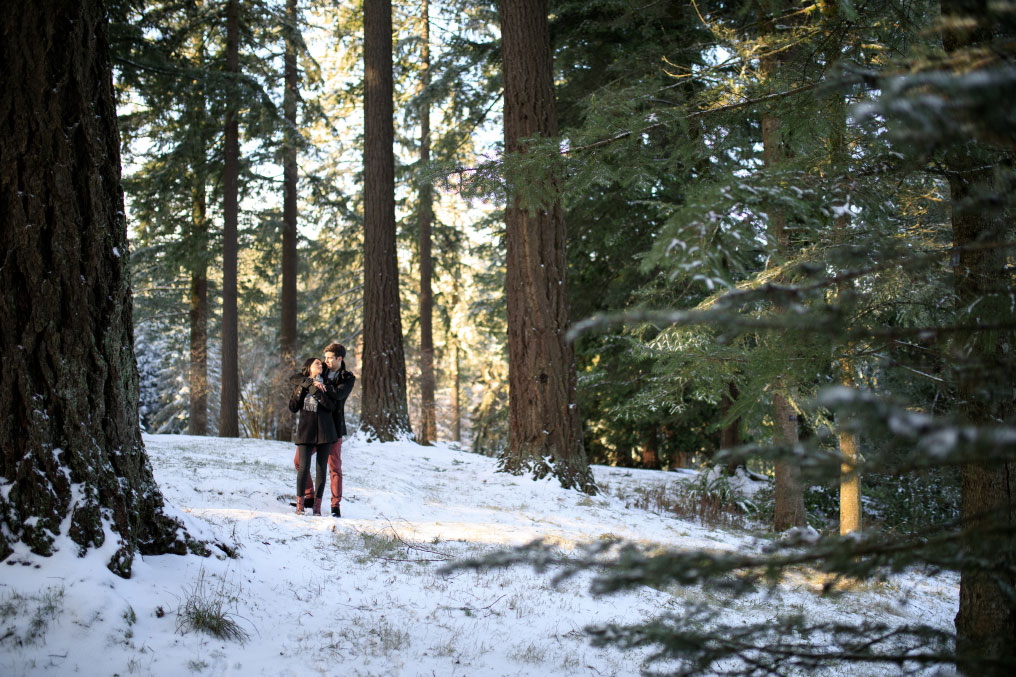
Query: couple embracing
[{"x": 319, "y": 395}]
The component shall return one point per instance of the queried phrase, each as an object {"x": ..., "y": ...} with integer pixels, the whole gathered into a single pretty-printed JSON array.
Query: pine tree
[
  {"x": 385, "y": 414},
  {"x": 229, "y": 425},
  {"x": 545, "y": 433}
]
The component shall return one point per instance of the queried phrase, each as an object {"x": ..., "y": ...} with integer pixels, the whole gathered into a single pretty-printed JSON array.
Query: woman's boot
[
  {"x": 317, "y": 506},
  {"x": 299, "y": 505}
]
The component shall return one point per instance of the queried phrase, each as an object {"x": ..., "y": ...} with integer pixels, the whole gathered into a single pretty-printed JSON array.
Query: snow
[{"x": 364, "y": 594}]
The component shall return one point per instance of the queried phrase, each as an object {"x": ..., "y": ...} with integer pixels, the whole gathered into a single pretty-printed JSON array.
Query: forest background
[{"x": 762, "y": 200}]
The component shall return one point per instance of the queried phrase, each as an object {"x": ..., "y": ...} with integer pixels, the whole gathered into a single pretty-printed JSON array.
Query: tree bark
[
  {"x": 428, "y": 423},
  {"x": 287, "y": 331},
  {"x": 229, "y": 422},
  {"x": 545, "y": 433},
  {"x": 385, "y": 414},
  {"x": 788, "y": 496},
  {"x": 986, "y": 621},
  {"x": 197, "y": 423},
  {"x": 457, "y": 396},
  {"x": 730, "y": 435},
  {"x": 74, "y": 462}
]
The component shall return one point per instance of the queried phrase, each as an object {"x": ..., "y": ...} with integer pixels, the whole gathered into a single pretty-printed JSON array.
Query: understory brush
[
  {"x": 204, "y": 609},
  {"x": 710, "y": 499}
]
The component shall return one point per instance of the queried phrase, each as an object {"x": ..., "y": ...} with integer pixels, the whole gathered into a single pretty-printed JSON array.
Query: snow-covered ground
[{"x": 363, "y": 594}]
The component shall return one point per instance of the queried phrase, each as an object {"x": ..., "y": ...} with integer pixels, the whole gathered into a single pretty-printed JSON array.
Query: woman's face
[{"x": 315, "y": 368}]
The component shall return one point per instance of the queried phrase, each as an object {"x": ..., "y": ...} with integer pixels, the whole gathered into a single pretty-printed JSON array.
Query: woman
[{"x": 315, "y": 433}]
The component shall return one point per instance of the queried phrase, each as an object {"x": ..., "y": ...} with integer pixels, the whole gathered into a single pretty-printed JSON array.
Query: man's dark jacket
[{"x": 339, "y": 388}]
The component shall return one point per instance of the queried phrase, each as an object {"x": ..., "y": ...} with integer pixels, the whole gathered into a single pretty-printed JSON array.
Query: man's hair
[{"x": 336, "y": 349}]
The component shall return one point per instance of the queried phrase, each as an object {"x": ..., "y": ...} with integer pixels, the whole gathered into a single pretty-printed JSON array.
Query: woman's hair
[
  {"x": 336, "y": 349},
  {"x": 306, "y": 365}
]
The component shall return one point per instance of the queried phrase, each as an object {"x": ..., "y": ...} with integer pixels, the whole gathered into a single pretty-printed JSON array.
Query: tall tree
[
  {"x": 545, "y": 432},
  {"x": 287, "y": 332},
  {"x": 384, "y": 411},
  {"x": 788, "y": 509},
  {"x": 428, "y": 415},
  {"x": 73, "y": 457},
  {"x": 229, "y": 423},
  {"x": 983, "y": 359},
  {"x": 197, "y": 423}
]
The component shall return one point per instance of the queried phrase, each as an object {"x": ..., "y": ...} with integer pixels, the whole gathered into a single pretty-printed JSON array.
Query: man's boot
[
  {"x": 317, "y": 506},
  {"x": 299, "y": 505}
]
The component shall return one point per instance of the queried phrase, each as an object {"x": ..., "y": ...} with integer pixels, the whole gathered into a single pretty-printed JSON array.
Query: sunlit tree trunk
[
  {"x": 198, "y": 368},
  {"x": 850, "y": 479},
  {"x": 287, "y": 332},
  {"x": 229, "y": 423},
  {"x": 456, "y": 395},
  {"x": 73, "y": 461},
  {"x": 428, "y": 423},
  {"x": 385, "y": 414},
  {"x": 545, "y": 433}
]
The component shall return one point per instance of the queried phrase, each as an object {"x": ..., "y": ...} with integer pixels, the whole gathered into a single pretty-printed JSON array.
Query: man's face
[{"x": 332, "y": 360}]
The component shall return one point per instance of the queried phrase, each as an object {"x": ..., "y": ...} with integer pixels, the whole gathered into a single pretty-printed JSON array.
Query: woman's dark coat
[{"x": 315, "y": 427}]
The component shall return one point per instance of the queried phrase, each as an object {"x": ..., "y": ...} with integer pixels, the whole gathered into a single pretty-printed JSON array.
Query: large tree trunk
[
  {"x": 229, "y": 422},
  {"x": 287, "y": 332},
  {"x": 73, "y": 459},
  {"x": 986, "y": 621},
  {"x": 428, "y": 422},
  {"x": 545, "y": 433},
  {"x": 384, "y": 413}
]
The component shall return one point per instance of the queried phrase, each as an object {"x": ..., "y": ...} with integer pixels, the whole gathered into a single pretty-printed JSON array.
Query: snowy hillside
[{"x": 363, "y": 594}]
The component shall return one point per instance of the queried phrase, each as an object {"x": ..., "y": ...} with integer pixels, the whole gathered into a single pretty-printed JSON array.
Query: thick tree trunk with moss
[
  {"x": 73, "y": 460},
  {"x": 384, "y": 414},
  {"x": 545, "y": 433}
]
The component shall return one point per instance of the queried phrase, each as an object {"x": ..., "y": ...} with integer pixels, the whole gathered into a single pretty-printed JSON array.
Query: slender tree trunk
[
  {"x": 788, "y": 496},
  {"x": 650, "y": 454},
  {"x": 197, "y": 422},
  {"x": 287, "y": 332},
  {"x": 788, "y": 510},
  {"x": 545, "y": 433},
  {"x": 428, "y": 424},
  {"x": 385, "y": 414},
  {"x": 198, "y": 373},
  {"x": 73, "y": 461},
  {"x": 229, "y": 423},
  {"x": 730, "y": 435},
  {"x": 457, "y": 396},
  {"x": 850, "y": 480}
]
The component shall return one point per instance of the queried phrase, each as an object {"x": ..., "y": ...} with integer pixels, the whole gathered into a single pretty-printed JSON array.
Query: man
[{"x": 339, "y": 383}]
